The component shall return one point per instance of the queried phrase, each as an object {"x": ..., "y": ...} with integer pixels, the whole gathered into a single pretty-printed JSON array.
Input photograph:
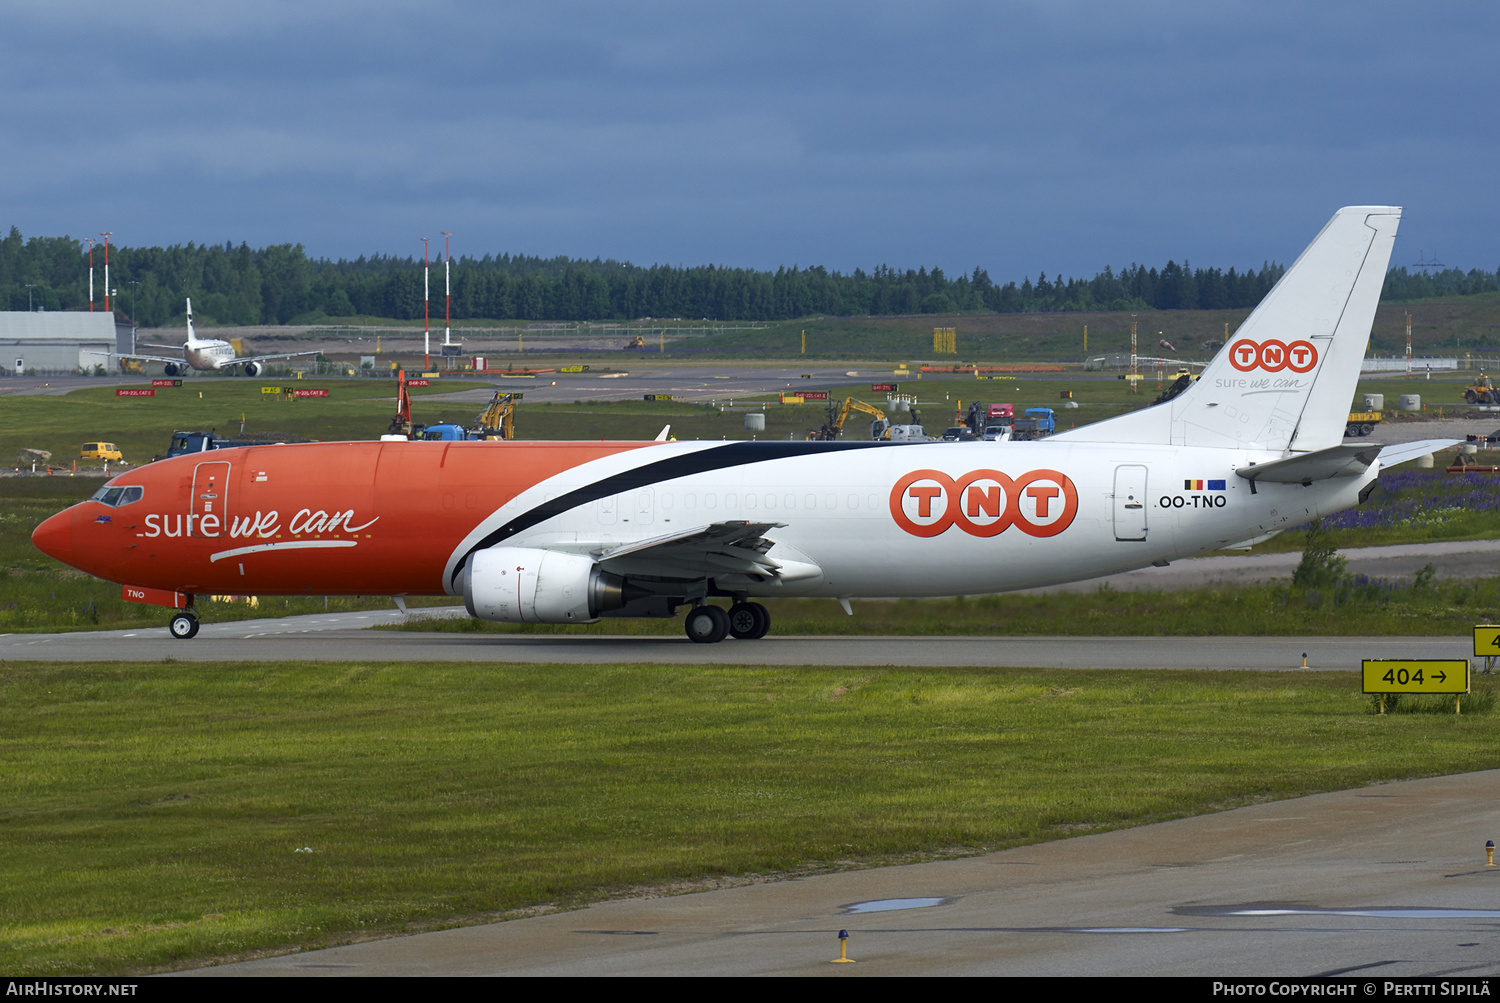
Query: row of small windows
[
  {"x": 732, "y": 501},
  {"x": 770, "y": 501}
]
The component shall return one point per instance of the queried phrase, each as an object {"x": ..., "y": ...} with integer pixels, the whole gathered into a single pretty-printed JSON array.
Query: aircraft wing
[
  {"x": 266, "y": 358},
  {"x": 174, "y": 359},
  {"x": 722, "y": 548}
]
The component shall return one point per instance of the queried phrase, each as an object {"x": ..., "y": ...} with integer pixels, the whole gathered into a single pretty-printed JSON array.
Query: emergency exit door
[{"x": 1130, "y": 503}]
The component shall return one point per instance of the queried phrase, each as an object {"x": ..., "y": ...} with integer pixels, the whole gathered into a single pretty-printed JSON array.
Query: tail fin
[
  {"x": 1285, "y": 380},
  {"x": 191, "y": 336}
]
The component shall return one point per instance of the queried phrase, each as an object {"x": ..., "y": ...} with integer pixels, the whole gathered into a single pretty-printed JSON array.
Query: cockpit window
[{"x": 115, "y": 497}]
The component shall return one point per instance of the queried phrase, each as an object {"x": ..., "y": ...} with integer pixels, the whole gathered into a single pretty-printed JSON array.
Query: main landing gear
[
  {"x": 709, "y": 624},
  {"x": 184, "y": 624}
]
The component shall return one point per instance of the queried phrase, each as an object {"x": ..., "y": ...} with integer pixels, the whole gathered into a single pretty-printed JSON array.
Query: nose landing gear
[{"x": 183, "y": 625}]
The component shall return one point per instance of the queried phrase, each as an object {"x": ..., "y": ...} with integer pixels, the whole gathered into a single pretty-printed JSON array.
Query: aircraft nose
[{"x": 54, "y": 537}]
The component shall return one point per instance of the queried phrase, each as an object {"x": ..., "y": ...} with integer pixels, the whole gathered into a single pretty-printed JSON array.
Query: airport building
[{"x": 52, "y": 344}]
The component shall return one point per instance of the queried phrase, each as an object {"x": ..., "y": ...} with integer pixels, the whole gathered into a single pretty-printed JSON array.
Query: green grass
[
  {"x": 142, "y": 426},
  {"x": 152, "y": 813}
]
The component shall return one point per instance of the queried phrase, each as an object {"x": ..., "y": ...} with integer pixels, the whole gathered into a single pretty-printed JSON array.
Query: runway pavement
[
  {"x": 307, "y": 638},
  {"x": 342, "y": 637},
  {"x": 1356, "y": 886}
]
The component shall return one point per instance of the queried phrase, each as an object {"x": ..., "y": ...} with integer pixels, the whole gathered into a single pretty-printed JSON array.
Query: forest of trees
[{"x": 280, "y": 284}]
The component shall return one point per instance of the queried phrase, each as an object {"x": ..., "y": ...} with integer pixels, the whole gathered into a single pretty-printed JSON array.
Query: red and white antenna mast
[
  {"x": 426, "y": 314},
  {"x": 106, "y": 235}
]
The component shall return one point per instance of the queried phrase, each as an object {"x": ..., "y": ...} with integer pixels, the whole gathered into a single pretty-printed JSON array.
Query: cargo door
[{"x": 1130, "y": 503}]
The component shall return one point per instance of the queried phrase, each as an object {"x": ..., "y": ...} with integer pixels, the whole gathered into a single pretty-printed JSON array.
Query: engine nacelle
[
  {"x": 252, "y": 369},
  {"x": 170, "y": 369},
  {"x": 526, "y": 585}
]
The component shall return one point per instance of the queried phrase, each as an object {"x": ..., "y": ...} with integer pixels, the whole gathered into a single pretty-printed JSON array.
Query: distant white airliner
[{"x": 208, "y": 354}]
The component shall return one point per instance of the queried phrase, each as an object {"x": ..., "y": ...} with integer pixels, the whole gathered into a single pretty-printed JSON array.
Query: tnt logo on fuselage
[
  {"x": 1273, "y": 356},
  {"x": 984, "y": 503}
]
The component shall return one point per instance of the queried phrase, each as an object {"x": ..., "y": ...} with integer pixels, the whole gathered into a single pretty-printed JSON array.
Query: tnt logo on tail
[{"x": 1273, "y": 356}]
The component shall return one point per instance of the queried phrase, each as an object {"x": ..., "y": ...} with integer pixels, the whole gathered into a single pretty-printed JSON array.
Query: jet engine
[
  {"x": 170, "y": 369},
  {"x": 526, "y": 585},
  {"x": 252, "y": 369}
]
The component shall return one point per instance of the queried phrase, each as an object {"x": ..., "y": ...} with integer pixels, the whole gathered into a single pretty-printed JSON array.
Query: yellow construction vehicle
[
  {"x": 636, "y": 343},
  {"x": 1482, "y": 391},
  {"x": 498, "y": 420},
  {"x": 1362, "y": 423},
  {"x": 839, "y": 413}
]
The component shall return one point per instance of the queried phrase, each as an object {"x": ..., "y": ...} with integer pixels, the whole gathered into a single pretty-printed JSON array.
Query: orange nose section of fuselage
[{"x": 54, "y": 537}]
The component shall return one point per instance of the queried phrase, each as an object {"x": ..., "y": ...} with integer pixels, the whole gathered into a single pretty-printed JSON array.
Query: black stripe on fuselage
[{"x": 734, "y": 454}]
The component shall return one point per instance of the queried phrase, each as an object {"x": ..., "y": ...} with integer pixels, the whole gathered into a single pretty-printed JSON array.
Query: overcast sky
[{"x": 1058, "y": 136}]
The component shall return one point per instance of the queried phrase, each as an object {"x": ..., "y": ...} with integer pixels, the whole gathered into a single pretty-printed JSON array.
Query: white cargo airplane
[
  {"x": 207, "y": 354},
  {"x": 568, "y": 532}
]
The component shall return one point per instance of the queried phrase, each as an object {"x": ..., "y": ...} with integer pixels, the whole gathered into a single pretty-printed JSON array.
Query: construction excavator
[
  {"x": 496, "y": 421},
  {"x": 839, "y": 413}
]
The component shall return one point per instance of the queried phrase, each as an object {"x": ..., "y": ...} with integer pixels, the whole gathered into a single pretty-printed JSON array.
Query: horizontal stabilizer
[
  {"x": 1339, "y": 461},
  {"x": 1336, "y": 461},
  {"x": 1402, "y": 451}
]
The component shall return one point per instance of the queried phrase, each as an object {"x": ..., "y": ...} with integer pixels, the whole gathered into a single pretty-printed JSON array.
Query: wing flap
[{"x": 720, "y": 548}]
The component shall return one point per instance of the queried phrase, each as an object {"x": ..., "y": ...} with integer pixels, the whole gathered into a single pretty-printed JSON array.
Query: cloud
[{"x": 1015, "y": 136}]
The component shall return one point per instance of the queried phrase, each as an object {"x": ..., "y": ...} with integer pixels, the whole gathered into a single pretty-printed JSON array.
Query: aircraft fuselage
[{"x": 401, "y": 518}]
